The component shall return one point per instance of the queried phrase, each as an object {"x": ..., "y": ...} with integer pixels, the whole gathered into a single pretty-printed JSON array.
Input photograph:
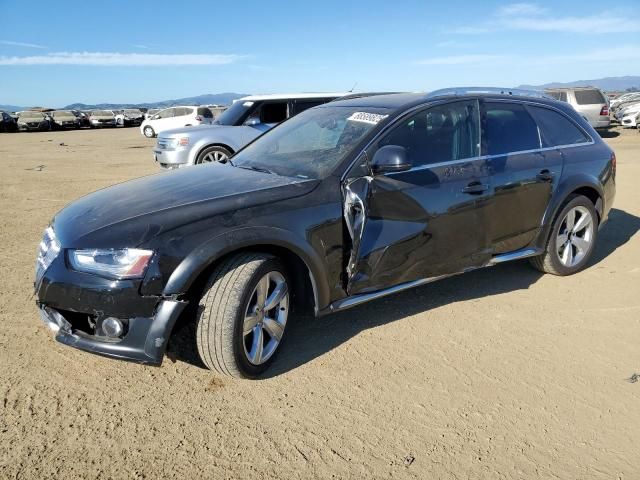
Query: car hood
[
  {"x": 131, "y": 213},
  {"x": 202, "y": 128}
]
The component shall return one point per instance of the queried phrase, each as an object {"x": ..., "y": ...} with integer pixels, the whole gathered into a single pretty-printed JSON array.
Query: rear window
[
  {"x": 509, "y": 128},
  {"x": 589, "y": 97},
  {"x": 556, "y": 129}
]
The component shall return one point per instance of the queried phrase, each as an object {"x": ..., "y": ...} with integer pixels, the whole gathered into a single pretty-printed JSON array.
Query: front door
[{"x": 427, "y": 221}]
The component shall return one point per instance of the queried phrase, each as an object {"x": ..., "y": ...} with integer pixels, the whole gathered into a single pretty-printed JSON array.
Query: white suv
[{"x": 175, "y": 117}]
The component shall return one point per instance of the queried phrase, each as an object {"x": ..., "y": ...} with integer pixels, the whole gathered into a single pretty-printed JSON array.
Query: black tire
[
  {"x": 549, "y": 261},
  {"x": 211, "y": 152},
  {"x": 149, "y": 132},
  {"x": 221, "y": 313}
]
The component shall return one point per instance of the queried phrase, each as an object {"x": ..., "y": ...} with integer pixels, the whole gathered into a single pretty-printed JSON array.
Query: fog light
[{"x": 112, "y": 327}]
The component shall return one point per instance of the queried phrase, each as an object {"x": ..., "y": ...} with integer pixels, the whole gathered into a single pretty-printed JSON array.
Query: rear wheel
[
  {"x": 572, "y": 239},
  {"x": 148, "y": 132},
  {"x": 243, "y": 314},
  {"x": 214, "y": 154}
]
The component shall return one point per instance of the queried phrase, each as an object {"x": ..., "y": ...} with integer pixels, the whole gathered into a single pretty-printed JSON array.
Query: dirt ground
[{"x": 501, "y": 373}]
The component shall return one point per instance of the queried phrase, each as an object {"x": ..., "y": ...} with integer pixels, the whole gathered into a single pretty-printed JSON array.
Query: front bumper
[
  {"x": 98, "y": 124},
  {"x": 170, "y": 159},
  {"x": 145, "y": 340},
  {"x": 74, "y": 304}
]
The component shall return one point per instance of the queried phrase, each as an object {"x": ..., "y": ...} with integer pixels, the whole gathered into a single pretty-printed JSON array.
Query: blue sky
[{"x": 55, "y": 53}]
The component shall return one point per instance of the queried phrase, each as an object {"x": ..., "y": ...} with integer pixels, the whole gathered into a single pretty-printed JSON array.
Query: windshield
[
  {"x": 102, "y": 113},
  {"x": 132, "y": 112},
  {"x": 311, "y": 144},
  {"x": 233, "y": 114},
  {"x": 37, "y": 115},
  {"x": 62, "y": 113}
]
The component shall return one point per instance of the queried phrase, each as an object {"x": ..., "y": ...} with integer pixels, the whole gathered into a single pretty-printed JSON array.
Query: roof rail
[{"x": 491, "y": 90}]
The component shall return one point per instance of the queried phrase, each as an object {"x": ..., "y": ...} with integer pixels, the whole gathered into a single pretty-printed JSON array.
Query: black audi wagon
[{"x": 345, "y": 203}]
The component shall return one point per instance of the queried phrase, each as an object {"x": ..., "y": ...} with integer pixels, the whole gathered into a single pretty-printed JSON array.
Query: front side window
[
  {"x": 509, "y": 128},
  {"x": 439, "y": 134},
  {"x": 312, "y": 144},
  {"x": 556, "y": 129},
  {"x": 273, "y": 112},
  {"x": 166, "y": 113}
]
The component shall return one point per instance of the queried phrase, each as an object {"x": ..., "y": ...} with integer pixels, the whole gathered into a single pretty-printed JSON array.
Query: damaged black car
[{"x": 345, "y": 203}]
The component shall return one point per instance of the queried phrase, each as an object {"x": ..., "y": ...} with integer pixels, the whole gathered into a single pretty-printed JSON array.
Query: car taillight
[
  {"x": 199, "y": 118},
  {"x": 605, "y": 110}
]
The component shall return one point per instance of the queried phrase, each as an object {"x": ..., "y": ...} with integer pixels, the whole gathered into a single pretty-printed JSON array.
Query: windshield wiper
[{"x": 255, "y": 169}]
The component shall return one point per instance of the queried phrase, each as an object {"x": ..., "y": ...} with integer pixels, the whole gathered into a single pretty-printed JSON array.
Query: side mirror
[
  {"x": 155, "y": 117},
  {"x": 252, "y": 121},
  {"x": 390, "y": 158}
]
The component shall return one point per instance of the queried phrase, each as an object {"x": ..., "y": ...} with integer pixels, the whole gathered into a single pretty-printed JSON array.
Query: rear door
[
  {"x": 429, "y": 220},
  {"x": 519, "y": 174}
]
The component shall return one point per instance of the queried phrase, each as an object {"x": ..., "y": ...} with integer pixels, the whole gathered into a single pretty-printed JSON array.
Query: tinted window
[
  {"x": 205, "y": 112},
  {"x": 588, "y": 97},
  {"x": 273, "y": 112},
  {"x": 556, "y": 129},
  {"x": 562, "y": 96},
  {"x": 302, "y": 105},
  {"x": 509, "y": 128},
  {"x": 439, "y": 134}
]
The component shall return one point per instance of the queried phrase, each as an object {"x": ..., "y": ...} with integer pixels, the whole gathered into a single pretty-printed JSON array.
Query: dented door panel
[{"x": 415, "y": 224}]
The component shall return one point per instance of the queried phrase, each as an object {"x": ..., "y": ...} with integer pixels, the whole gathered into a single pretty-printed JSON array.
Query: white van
[{"x": 175, "y": 117}]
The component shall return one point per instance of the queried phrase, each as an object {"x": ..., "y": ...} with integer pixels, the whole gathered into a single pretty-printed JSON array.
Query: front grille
[
  {"x": 47, "y": 252},
  {"x": 165, "y": 143}
]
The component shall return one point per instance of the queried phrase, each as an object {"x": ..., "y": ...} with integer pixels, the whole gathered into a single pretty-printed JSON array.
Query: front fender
[{"x": 207, "y": 253}]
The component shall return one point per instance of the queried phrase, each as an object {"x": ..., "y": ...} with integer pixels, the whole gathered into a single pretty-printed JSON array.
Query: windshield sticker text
[{"x": 365, "y": 117}]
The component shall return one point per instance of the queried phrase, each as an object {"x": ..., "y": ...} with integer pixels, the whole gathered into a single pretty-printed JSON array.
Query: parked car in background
[
  {"x": 175, "y": 117},
  {"x": 7, "y": 123},
  {"x": 243, "y": 121},
  {"x": 83, "y": 118},
  {"x": 102, "y": 118},
  {"x": 31, "y": 121},
  {"x": 345, "y": 203},
  {"x": 216, "y": 110},
  {"x": 628, "y": 117},
  {"x": 130, "y": 117},
  {"x": 63, "y": 119},
  {"x": 624, "y": 98},
  {"x": 590, "y": 102}
]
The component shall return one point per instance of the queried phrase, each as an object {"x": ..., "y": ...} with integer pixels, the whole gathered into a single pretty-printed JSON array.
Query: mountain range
[{"x": 614, "y": 84}]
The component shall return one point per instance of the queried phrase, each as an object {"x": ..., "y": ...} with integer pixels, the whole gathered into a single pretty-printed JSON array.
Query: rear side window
[
  {"x": 509, "y": 128},
  {"x": 273, "y": 112},
  {"x": 205, "y": 112},
  {"x": 302, "y": 105},
  {"x": 589, "y": 97},
  {"x": 556, "y": 129},
  {"x": 182, "y": 111},
  {"x": 562, "y": 96}
]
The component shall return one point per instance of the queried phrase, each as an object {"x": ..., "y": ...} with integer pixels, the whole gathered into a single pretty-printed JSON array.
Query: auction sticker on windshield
[{"x": 365, "y": 117}]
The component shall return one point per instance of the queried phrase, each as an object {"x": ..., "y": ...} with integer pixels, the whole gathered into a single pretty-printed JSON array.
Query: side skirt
[{"x": 361, "y": 298}]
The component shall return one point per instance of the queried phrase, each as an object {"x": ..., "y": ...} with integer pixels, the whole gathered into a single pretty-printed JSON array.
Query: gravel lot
[{"x": 499, "y": 373}]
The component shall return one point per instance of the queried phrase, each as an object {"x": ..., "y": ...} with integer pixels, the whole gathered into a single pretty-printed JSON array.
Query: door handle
[
  {"x": 475, "y": 188},
  {"x": 545, "y": 175}
]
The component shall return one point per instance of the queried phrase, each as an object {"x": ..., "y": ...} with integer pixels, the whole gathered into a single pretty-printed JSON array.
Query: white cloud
[
  {"x": 21, "y": 44},
  {"x": 462, "y": 59},
  {"x": 121, "y": 59},
  {"x": 532, "y": 17}
]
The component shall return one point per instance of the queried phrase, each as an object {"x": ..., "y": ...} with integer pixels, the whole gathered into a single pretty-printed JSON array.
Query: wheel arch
[
  {"x": 303, "y": 264},
  {"x": 201, "y": 148}
]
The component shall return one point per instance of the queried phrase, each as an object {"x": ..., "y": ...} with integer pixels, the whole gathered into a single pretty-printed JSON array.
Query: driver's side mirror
[
  {"x": 390, "y": 158},
  {"x": 155, "y": 117},
  {"x": 250, "y": 122}
]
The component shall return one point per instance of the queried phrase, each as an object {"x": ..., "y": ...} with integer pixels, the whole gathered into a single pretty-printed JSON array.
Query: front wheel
[
  {"x": 214, "y": 154},
  {"x": 148, "y": 132},
  {"x": 572, "y": 239},
  {"x": 242, "y": 315}
]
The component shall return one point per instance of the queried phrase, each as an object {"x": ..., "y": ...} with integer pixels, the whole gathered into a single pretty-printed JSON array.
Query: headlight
[{"x": 118, "y": 264}]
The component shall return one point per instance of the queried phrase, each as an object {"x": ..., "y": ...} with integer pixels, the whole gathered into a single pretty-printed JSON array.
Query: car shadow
[
  {"x": 609, "y": 133},
  {"x": 309, "y": 338}
]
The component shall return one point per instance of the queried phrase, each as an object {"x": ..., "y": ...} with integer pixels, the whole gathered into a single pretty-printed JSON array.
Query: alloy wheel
[
  {"x": 265, "y": 318},
  {"x": 575, "y": 236},
  {"x": 215, "y": 156}
]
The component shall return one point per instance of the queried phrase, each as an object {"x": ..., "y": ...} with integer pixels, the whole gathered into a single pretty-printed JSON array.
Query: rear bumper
[
  {"x": 602, "y": 122},
  {"x": 144, "y": 342}
]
